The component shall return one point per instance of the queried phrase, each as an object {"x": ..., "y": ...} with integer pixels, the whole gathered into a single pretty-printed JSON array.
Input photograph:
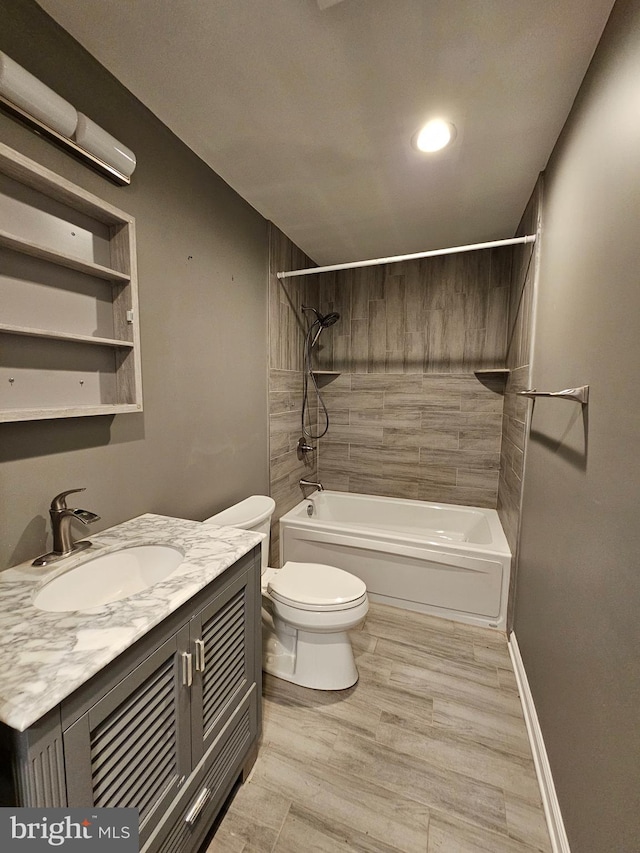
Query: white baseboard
[{"x": 555, "y": 824}]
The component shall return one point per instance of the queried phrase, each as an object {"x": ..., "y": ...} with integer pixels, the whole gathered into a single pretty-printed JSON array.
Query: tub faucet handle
[{"x": 304, "y": 447}]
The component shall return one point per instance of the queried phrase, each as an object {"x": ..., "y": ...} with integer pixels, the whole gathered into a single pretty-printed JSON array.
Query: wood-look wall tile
[
  {"x": 480, "y": 437},
  {"x": 366, "y": 433},
  {"x": 359, "y": 294},
  {"x": 407, "y": 383},
  {"x": 394, "y": 362},
  {"x": 338, "y": 452},
  {"x": 460, "y": 495},
  {"x": 459, "y": 458},
  {"x": 367, "y": 455},
  {"x": 495, "y": 349},
  {"x": 281, "y": 401},
  {"x": 353, "y": 399},
  {"x": 415, "y": 299},
  {"x": 374, "y": 278},
  {"x": 393, "y": 488},
  {"x": 442, "y": 419},
  {"x": 401, "y": 417},
  {"x": 376, "y": 332},
  {"x": 481, "y": 401},
  {"x": 337, "y": 482},
  {"x": 435, "y": 358},
  {"x": 279, "y": 443},
  {"x": 394, "y": 296},
  {"x": 337, "y": 416},
  {"x": 288, "y": 463},
  {"x": 403, "y": 399},
  {"x": 285, "y": 380},
  {"x": 431, "y": 474},
  {"x": 359, "y": 346},
  {"x": 436, "y": 439},
  {"x": 420, "y": 473},
  {"x": 342, "y": 351},
  {"x": 414, "y": 347},
  {"x": 474, "y": 347},
  {"x": 482, "y": 479}
]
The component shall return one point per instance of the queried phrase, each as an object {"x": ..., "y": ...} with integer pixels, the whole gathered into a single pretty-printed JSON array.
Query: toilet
[{"x": 307, "y": 609}]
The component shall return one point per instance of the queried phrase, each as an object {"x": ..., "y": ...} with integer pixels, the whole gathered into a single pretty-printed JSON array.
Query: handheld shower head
[
  {"x": 329, "y": 319},
  {"x": 311, "y": 339},
  {"x": 324, "y": 320}
]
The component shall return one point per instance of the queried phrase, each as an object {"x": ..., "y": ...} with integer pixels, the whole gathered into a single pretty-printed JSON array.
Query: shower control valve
[{"x": 303, "y": 447}]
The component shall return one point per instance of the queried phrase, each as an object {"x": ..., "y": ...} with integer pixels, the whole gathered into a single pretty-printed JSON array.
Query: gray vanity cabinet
[
  {"x": 224, "y": 664},
  {"x": 132, "y": 747},
  {"x": 170, "y": 725}
]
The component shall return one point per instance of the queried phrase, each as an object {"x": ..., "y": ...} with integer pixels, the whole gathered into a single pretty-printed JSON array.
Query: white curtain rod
[{"x": 530, "y": 238}]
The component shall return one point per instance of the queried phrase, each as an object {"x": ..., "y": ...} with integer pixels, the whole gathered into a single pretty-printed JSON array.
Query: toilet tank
[{"x": 252, "y": 513}]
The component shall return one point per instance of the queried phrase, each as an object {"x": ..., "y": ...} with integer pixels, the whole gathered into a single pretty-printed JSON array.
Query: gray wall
[
  {"x": 202, "y": 257},
  {"x": 577, "y": 614}
]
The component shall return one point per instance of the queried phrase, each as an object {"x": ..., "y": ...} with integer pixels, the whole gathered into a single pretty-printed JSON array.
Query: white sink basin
[{"x": 109, "y": 577}]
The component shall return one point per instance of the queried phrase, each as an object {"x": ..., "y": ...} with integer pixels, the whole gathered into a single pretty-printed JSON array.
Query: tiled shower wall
[
  {"x": 409, "y": 417},
  {"x": 517, "y": 410},
  {"x": 287, "y": 327}
]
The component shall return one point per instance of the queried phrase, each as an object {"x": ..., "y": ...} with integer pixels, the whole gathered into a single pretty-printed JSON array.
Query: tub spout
[{"x": 304, "y": 483}]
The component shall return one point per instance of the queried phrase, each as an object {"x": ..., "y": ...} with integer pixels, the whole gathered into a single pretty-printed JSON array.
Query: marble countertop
[{"x": 45, "y": 656}]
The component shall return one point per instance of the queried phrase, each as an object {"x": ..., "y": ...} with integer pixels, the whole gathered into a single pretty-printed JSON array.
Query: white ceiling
[{"x": 307, "y": 107}]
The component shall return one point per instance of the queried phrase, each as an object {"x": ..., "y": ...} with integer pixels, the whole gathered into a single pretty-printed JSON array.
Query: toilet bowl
[{"x": 307, "y": 609}]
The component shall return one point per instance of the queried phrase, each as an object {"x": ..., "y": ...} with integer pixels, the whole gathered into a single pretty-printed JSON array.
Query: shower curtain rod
[{"x": 530, "y": 238}]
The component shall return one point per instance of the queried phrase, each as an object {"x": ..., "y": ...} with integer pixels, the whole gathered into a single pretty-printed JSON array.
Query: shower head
[
  {"x": 321, "y": 321},
  {"x": 329, "y": 319},
  {"x": 324, "y": 320}
]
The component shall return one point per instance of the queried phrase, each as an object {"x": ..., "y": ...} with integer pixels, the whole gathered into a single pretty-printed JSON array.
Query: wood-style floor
[{"x": 427, "y": 752}]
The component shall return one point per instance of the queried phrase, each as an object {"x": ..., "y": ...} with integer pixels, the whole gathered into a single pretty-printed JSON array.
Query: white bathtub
[{"x": 452, "y": 561}]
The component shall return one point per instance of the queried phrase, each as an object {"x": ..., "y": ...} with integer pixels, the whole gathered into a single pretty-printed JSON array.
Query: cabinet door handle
[
  {"x": 187, "y": 669},
  {"x": 199, "y": 655},
  {"x": 194, "y": 812}
]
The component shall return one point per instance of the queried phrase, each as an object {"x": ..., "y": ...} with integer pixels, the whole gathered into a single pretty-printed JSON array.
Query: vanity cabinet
[
  {"x": 168, "y": 727},
  {"x": 69, "y": 330}
]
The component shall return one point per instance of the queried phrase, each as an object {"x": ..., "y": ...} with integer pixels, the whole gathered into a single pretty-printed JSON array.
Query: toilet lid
[{"x": 315, "y": 584}]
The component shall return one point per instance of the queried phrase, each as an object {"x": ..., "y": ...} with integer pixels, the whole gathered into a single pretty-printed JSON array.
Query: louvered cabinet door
[
  {"x": 223, "y": 639},
  {"x": 132, "y": 748}
]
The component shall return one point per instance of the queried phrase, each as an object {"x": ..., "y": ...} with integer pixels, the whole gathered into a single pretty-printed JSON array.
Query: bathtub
[{"x": 451, "y": 561}]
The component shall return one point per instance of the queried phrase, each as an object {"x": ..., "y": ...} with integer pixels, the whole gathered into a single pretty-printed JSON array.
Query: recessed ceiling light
[{"x": 435, "y": 135}]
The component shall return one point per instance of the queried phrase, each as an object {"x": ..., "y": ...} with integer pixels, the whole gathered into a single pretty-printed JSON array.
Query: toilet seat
[{"x": 317, "y": 587}]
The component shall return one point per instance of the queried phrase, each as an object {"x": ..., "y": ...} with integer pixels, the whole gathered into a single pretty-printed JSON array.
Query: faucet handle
[{"x": 60, "y": 501}]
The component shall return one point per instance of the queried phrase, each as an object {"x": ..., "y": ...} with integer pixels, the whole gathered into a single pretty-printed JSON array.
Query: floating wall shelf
[
  {"x": 69, "y": 337},
  {"x": 493, "y": 371}
]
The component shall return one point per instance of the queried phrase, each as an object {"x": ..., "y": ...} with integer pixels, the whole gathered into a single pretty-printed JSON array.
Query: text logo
[{"x": 103, "y": 830}]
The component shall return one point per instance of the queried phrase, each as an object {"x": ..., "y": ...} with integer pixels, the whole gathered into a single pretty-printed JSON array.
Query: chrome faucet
[
  {"x": 61, "y": 518},
  {"x": 304, "y": 483}
]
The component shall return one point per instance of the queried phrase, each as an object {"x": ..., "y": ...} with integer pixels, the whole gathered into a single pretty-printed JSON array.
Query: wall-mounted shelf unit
[{"x": 69, "y": 330}]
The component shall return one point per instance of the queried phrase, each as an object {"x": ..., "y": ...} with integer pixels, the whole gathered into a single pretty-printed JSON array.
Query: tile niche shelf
[{"x": 69, "y": 330}]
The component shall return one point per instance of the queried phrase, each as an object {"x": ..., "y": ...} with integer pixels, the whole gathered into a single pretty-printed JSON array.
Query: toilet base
[{"x": 320, "y": 661}]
